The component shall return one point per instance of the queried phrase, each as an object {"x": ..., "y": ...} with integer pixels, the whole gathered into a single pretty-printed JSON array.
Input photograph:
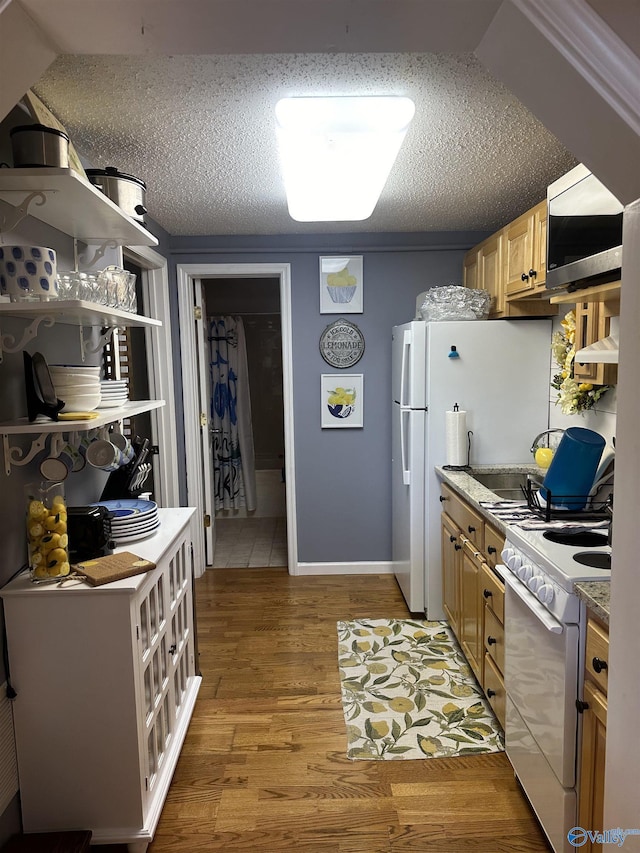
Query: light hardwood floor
[{"x": 263, "y": 768}]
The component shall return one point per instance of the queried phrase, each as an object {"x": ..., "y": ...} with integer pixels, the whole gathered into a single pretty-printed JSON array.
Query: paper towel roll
[{"x": 456, "y": 438}]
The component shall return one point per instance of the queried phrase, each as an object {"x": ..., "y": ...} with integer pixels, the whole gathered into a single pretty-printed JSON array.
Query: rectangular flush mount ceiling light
[{"x": 336, "y": 153}]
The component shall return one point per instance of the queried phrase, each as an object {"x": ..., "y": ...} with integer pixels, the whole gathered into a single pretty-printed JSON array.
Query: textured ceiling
[{"x": 199, "y": 130}]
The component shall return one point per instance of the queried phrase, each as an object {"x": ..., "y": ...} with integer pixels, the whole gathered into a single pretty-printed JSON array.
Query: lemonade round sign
[{"x": 342, "y": 344}]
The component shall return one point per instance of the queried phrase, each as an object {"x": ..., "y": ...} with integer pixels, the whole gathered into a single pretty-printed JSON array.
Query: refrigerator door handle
[
  {"x": 406, "y": 346},
  {"x": 404, "y": 430}
]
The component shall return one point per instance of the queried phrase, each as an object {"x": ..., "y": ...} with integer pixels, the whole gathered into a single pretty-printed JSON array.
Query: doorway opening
[
  {"x": 251, "y": 522},
  {"x": 199, "y": 470}
]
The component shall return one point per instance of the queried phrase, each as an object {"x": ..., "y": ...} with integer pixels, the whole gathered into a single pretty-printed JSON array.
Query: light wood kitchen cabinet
[
  {"x": 473, "y": 594},
  {"x": 499, "y": 263},
  {"x": 594, "y": 732},
  {"x": 471, "y": 608},
  {"x": 106, "y": 684},
  {"x": 593, "y": 321},
  {"x": 524, "y": 253},
  {"x": 451, "y": 556}
]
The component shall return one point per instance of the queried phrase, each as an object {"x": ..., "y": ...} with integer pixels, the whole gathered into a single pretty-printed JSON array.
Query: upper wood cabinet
[
  {"x": 511, "y": 266},
  {"x": 525, "y": 249}
]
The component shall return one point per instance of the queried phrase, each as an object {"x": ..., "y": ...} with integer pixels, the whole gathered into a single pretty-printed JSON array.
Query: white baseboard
[{"x": 382, "y": 568}]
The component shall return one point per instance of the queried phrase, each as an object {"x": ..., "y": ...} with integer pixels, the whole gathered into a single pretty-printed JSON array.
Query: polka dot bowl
[{"x": 28, "y": 273}]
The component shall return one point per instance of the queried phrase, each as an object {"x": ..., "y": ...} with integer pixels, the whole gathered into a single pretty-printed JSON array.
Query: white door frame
[
  {"x": 155, "y": 293},
  {"x": 186, "y": 275}
]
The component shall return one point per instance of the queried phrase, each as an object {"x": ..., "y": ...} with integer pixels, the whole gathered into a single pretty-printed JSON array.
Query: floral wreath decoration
[{"x": 573, "y": 397}]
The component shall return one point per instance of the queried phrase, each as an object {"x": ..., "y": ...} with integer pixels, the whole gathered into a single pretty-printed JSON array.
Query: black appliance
[
  {"x": 89, "y": 530},
  {"x": 584, "y": 231}
]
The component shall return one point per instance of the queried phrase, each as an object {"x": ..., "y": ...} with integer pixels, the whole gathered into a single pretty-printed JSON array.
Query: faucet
[{"x": 534, "y": 443}]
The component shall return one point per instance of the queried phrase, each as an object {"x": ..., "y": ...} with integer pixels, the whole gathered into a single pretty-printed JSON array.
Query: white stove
[
  {"x": 556, "y": 559},
  {"x": 544, "y": 660}
]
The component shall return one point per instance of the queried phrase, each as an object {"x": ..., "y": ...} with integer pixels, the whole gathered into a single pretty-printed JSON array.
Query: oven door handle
[{"x": 533, "y": 605}]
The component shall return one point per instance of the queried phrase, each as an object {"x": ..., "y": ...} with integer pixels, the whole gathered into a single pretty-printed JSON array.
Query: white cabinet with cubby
[{"x": 106, "y": 681}]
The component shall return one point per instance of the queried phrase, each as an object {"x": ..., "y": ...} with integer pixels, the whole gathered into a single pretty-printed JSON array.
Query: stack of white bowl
[
  {"x": 115, "y": 393},
  {"x": 77, "y": 385}
]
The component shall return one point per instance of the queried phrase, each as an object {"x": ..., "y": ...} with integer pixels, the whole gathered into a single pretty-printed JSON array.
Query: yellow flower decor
[{"x": 573, "y": 397}]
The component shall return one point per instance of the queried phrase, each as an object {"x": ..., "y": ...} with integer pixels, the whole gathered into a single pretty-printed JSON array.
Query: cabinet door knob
[
  {"x": 452, "y": 538},
  {"x": 581, "y": 706},
  {"x": 492, "y": 550},
  {"x": 599, "y": 665},
  {"x": 524, "y": 276},
  {"x": 491, "y": 693},
  {"x": 442, "y": 499},
  {"x": 491, "y": 641},
  {"x": 471, "y": 529},
  {"x": 533, "y": 273},
  {"x": 457, "y": 547},
  {"x": 172, "y": 649},
  {"x": 487, "y": 593}
]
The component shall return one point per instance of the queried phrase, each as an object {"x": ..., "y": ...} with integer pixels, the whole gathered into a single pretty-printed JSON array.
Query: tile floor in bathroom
[{"x": 250, "y": 543}]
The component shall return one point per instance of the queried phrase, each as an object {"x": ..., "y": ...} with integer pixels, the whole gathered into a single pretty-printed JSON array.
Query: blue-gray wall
[{"x": 342, "y": 476}]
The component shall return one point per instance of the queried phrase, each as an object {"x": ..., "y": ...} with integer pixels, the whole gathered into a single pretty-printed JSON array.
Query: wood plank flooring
[{"x": 263, "y": 768}]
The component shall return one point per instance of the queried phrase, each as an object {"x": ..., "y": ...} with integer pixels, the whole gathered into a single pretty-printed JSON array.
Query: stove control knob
[
  {"x": 514, "y": 562},
  {"x": 506, "y": 553},
  {"x": 534, "y": 583},
  {"x": 525, "y": 572},
  {"x": 545, "y": 593}
]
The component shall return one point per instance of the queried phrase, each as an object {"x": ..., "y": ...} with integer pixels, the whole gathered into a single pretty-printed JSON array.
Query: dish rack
[{"x": 593, "y": 511}]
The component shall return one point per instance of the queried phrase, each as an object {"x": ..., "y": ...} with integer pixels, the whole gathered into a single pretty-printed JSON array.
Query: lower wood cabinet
[
  {"x": 594, "y": 732},
  {"x": 473, "y": 593},
  {"x": 106, "y": 684}
]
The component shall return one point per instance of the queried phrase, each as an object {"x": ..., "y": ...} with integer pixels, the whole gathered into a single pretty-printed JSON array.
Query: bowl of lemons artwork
[
  {"x": 342, "y": 402},
  {"x": 341, "y": 285}
]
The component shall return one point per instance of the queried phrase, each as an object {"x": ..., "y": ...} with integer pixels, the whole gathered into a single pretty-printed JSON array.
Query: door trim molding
[
  {"x": 186, "y": 275},
  {"x": 155, "y": 290}
]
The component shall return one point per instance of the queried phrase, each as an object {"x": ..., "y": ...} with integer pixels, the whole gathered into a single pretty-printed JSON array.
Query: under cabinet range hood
[{"x": 602, "y": 351}]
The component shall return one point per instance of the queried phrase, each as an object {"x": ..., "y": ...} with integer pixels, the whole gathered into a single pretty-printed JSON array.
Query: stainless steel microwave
[{"x": 584, "y": 231}]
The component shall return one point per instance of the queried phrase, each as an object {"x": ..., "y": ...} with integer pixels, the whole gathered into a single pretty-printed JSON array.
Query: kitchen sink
[{"x": 505, "y": 484}]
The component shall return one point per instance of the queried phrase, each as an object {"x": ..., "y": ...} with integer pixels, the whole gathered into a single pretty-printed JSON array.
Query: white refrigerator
[{"x": 498, "y": 371}]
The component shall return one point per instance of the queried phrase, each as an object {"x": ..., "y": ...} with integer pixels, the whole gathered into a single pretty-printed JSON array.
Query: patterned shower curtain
[{"x": 232, "y": 445}]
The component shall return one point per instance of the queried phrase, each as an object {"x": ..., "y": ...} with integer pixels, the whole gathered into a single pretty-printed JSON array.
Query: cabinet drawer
[
  {"x": 494, "y": 689},
  {"x": 494, "y": 638},
  {"x": 492, "y": 592},
  {"x": 597, "y": 654},
  {"x": 493, "y": 544},
  {"x": 468, "y": 520}
]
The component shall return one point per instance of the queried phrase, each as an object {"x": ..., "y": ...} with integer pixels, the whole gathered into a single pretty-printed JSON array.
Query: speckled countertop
[
  {"x": 473, "y": 492},
  {"x": 595, "y": 594}
]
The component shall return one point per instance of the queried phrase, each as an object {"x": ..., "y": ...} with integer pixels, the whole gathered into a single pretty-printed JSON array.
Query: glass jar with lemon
[{"x": 46, "y": 527}]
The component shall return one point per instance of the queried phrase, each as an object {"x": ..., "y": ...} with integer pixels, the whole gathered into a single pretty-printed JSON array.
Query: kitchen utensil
[
  {"x": 124, "y": 190},
  {"x": 28, "y": 273},
  {"x": 571, "y": 473},
  {"x": 36, "y": 145},
  {"x": 41, "y": 397}
]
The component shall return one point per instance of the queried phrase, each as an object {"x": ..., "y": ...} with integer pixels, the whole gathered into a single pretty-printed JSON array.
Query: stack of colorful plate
[
  {"x": 115, "y": 393},
  {"x": 132, "y": 519}
]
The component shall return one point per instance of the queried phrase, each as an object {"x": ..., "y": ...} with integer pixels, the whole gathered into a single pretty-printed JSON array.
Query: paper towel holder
[{"x": 466, "y": 467}]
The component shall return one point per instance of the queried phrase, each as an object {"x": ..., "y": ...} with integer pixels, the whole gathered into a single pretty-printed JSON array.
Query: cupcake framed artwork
[{"x": 341, "y": 284}]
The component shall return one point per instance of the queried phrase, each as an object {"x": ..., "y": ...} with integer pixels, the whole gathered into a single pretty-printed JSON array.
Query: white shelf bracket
[
  {"x": 13, "y": 219},
  {"x": 105, "y": 337},
  {"x": 14, "y": 455},
  {"x": 8, "y": 342},
  {"x": 88, "y": 263}
]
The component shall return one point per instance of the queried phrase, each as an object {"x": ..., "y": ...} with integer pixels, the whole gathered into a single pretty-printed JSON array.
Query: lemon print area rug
[{"x": 408, "y": 692}]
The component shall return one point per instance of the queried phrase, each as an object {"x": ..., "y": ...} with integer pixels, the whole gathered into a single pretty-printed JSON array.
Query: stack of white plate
[
  {"x": 132, "y": 519},
  {"x": 115, "y": 393},
  {"x": 77, "y": 385}
]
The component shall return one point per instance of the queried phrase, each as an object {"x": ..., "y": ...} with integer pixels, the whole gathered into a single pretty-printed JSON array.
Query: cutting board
[{"x": 112, "y": 567}]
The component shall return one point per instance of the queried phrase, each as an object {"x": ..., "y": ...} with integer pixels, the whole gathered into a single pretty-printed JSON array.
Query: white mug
[{"x": 102, "y": 454}]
